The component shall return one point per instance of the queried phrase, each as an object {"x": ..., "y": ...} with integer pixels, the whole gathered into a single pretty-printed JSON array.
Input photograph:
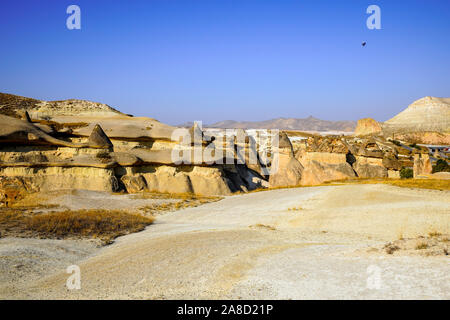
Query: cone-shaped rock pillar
[{"x": 99, "y": 139}]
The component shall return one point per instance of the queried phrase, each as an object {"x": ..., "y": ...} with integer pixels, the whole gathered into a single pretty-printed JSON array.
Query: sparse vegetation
[
  {"x": 436, "y": 184},
  {"x": 390, "y": 248},
  {"x": 436, "y": 244},
  {"x": 103, "y": 155},
  {"x": 406, "y": 173},
  {"x": 185, "y": 200},
  {"x": 434, "y": 234},
  {"x": 422, "y": 246},
  {"x": 263, "y": 226},
  {"x": 101, "y": 224},
  {"x": 414, "y": 145},
  {"x": 441, "y": 166}
]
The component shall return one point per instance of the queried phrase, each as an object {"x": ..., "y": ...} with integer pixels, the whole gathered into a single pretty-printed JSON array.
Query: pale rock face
[
  {"x": 364, "y": 169},
  {"x": 369, "y": 161},
  {"x": 289, "y": 170},
  {"x": 315, "y": 173},
  {"x": 209, "y": 181},
  {"x": 59, "y": 178},
  {"x": 134, "y": 184},
  {"x": 367, "y": 126},
  {"x": 422, "y": 164},
  {"x": 323, "y": 157},
  {"x": 393, "y": 174}
]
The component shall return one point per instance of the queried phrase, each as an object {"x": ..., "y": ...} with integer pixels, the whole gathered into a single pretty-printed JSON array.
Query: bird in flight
[{"x": 363, "y": 44}]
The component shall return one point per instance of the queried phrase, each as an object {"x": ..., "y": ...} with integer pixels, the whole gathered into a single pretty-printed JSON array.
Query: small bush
[
  {"x": 406, "y": 173},
  {"x": 441, "y": 166},
  {"x": 396, "y": 142},
  {"x": 422, "y": 246},
  {"x": 103, "y": 155}
]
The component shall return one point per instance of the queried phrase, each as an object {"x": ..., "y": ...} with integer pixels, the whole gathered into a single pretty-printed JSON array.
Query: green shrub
[
  {"x": 441, "y": 166},
  {"x": 406, "y": 173}
]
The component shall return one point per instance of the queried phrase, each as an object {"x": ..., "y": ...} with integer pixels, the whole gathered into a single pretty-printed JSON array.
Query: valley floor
[{"x": 301, "y": 243}]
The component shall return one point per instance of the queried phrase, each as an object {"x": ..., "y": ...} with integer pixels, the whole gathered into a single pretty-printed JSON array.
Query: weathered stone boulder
[
  {"x": 422, "y": 164},
  {"x": 315, "y": 173},
  {"x": 367, "y": 170},
  {"x": 390, "y": 162},
  {"x": 393, "y": 174},
  {"x": 326, "y": 144},
  {"x": 166, "y": 179},
  {"x": 288, "y": 169},
  {"x": 209, "y": 181},
  {"x": 98, "y": 139},
  {"x": 134, "y": 184}
]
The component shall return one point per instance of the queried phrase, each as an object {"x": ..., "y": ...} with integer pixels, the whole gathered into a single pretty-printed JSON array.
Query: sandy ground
[{"x": 251, "y": 247}]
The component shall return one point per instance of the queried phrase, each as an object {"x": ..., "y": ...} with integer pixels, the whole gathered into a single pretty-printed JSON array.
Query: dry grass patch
[
  {"x": 99, "y": 224},
  {"x": 182, "y": 201},
  {"x": 263, "y": 226},
  {"x": 435, "y": 245},
  {"x": 435, "y": 184},
  {"x": 422, "y": 246}
]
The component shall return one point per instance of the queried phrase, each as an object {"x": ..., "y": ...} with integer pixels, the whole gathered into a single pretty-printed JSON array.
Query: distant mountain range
[{"x": 306, "y": 124}]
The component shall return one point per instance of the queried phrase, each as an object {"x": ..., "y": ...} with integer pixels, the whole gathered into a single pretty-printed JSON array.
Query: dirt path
[{"x": 253, "y": 246}]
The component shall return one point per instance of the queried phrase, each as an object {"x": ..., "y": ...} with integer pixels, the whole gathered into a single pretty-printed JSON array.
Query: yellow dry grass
[
  {"x": 263, "y": 226},
  {"x": 184, "y": 200},
  {"x": 435, "y": 184},
  {"x": 102, "y": 224}
]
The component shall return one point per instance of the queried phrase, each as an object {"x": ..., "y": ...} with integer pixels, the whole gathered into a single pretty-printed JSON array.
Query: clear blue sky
[{"x": 223, "y": 59}]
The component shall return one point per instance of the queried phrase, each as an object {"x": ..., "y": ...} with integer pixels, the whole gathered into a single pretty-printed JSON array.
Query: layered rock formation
[
  {"x": 288, "y": 170},
  {"x": 336, "y": 158},
  {"x": 77, "y": 144}
]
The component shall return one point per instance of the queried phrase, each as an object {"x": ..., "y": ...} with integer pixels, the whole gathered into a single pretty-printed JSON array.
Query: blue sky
[{"x": 215, "y": 60}]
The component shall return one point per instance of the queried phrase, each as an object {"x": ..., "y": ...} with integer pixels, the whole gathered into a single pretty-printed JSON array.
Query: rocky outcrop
[
  {"x": 366, "y": 170},
  {"x": 289, "y": 170},
  {"x": 367, "y": 126},
  {"x": 82, "y": 145},
  {"x": 98, "y": 139},
  {"x": 315, "y": 172},
  {"x": 422, "y": 165}
]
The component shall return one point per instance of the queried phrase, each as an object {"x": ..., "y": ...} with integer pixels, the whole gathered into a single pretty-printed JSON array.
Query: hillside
[
  {"x": 429, "y": 114},
  {"x": 13, "y": 105}
]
